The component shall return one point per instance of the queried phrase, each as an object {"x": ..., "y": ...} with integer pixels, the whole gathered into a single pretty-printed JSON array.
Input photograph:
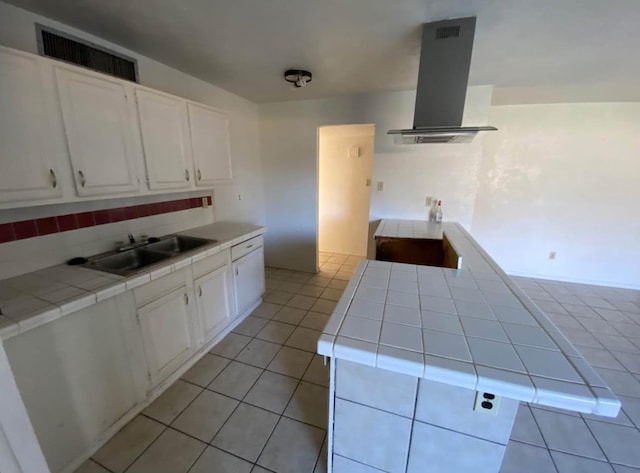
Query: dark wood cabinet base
[{"x": 410, "y": 250}]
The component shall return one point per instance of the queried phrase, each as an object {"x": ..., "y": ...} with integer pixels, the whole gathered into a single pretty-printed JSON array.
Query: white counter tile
[
  {"x": 401, "y": 336},
  {"x": 361, "y": 328},
  {"x": 474, "y": 309},
  {"x": 446, "y": 345},
  {"x": 454, "y": 372},
  {"x": 402, "y": 315},
  {"x": 437, "y": 304},
  {"x": 473, "y": 328},
  {"x": 507, "y": 383},
  {"x": 495, "y": 354},
  {"x": 481, "y": 328},
  {"x": 442, "y": 322}
]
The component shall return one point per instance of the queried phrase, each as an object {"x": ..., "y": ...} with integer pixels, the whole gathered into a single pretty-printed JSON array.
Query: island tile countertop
[
  {"x": 472, "y": 327},
  {"x": 33, "y": 299}
]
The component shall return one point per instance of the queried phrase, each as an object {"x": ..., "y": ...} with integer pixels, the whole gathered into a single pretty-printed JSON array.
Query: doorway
[{"x": 345, "y": 159}]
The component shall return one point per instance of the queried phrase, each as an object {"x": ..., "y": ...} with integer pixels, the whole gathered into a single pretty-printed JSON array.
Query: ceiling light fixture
[{"x": 298, "y": 77}]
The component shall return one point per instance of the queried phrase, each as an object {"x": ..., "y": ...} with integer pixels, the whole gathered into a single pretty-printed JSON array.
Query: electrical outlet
[
  {"x": 552, "y": 255},
  {"x": 428, "y": 202},
  {"x": 487, "y": 403},
  {"x": 380, "y": 186},
  {"x": 205, "y": 202}
]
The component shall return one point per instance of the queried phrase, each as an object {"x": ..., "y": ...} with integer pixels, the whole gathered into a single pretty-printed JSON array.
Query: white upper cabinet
[
  {"x": 28, "y": 169},
  {"x": 165, "y": 139},
  {"x": 101, "y": 133},
  {"x": 210, "y": 145}
]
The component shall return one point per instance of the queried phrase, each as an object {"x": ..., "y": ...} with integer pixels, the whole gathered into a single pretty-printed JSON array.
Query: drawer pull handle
[
  {"x": 200, "y": 291},
  {"x": 199, "y": 175},
  {"x": 54, "y": 179},
  {"x": 186, "y": 174},
  {"x": 186, "y": 299},
  {"x": 83, "y": 180},
  {"x": 249, "y": 246}
]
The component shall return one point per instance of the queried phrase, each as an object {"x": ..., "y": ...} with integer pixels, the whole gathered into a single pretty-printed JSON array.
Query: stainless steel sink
[
  {"x": 178, "y": 244},
  {"x": 128, "y": 262}
]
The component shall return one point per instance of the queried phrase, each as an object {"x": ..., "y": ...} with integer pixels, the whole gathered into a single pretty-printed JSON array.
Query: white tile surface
[
  {"x": 494, "y": 354},
  {"x": 375, "y": 387},
  {"x": 401, "y": 336},
  {"x": 431, "y": 448},
  {"x": 451, "y": 407},
  {"x": 447, "y": 345},
  {"x": 358, "y": 428},
  {"x": 402, "y": 315},
  {"x": 476, "y": 320},
  {"x": 361, "y": 328}
]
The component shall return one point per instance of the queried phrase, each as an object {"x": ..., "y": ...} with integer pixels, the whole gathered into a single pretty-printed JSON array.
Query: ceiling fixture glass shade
[{"x": 298, "y": 77}]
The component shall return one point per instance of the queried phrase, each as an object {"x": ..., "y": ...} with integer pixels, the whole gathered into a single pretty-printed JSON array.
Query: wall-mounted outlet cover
[
  {"x": 205, "y": 202},
  {"x": 354, "y": 152},
  {"x": 552, "y": 255},
  {"x": 487, "y": 403},
  {"x": 380, "y": 186},
  {"x": 428, "y": 202}
]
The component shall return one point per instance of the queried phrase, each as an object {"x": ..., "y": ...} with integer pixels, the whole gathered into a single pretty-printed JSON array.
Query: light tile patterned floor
[{"x": 257, "y": 402}]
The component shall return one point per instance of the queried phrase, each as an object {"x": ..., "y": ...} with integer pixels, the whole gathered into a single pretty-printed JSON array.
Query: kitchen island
[{"x": 429, "y": 364}]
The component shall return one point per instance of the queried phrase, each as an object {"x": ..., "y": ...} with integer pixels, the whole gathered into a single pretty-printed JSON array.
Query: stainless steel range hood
[{"x": 445, "y": 60}]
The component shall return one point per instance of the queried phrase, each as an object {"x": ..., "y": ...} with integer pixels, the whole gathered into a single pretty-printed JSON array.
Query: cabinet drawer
[
  {"x": 158, "y": 288},
  {"x": 238, "y": 251},
  {"x": 210, "y": 263}
]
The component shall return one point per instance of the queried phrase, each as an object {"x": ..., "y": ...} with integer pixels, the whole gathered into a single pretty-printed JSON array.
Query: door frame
[{"x": 317, "y": 204}]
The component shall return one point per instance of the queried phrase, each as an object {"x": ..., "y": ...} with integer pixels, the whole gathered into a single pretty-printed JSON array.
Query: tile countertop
[
  {"x": 33, "y": 299},
  {"x": 473, "y": 328}
]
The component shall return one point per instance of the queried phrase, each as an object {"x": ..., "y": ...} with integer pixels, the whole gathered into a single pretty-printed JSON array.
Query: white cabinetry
[
  {"x": 214, "y": 307},
  {"x": 248, "y": 274},
  {"x": 100, "y": 131},
  {"x": 28, "y": 168},
  {"x": 166, "y": 334},
  {"x": 209, "y": 145},
  {"x": 165, "y": 138}
]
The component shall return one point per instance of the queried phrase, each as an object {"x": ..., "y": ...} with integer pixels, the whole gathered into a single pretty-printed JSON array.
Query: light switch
[
  {"x": 380, "y": 186},
  {"x": 354, "y": 152},
  {"x": 428, "y": 201}
]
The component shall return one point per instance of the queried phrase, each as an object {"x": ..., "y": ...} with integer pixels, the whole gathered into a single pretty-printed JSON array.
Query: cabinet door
[
  {"x": 27, "y": 164},
  {"x": 248, "y": 272},
  {"x": 165, "y": 134},
  {"x": 164, "y": 324},
  {"x": 100, "y": 133},
  {"x": 212, "y": 293},
  {"x": 210, "y": 145}
]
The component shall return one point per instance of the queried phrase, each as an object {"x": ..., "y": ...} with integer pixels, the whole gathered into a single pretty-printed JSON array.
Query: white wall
[
  {"x": 17, "y": 30},
  {"x": 343, "y": 194},
  {"x": 564, "y": 178},
  {"x": 289, "y": 141}
]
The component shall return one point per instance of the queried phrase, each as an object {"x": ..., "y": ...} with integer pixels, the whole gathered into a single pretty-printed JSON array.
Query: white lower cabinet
[
  {"x": 165, "y": 326},
  {"x": 248, "y": 274},
  {"x": 214, "y": 306}
]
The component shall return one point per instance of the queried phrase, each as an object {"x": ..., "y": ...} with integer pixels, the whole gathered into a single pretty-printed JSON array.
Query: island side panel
[{"x": 404, "y": 424}]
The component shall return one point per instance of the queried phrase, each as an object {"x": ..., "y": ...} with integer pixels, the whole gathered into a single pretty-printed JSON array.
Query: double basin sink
[{"x": 132, "y": 261}]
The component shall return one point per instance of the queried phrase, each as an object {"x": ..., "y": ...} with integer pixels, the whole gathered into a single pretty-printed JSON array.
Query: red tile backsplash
[
  {"x": 64, "y": 223},
  {"x": 46, "y": 226}
]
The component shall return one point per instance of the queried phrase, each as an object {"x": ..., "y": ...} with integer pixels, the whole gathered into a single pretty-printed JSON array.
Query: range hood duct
[{"x": 445, "y": 59}]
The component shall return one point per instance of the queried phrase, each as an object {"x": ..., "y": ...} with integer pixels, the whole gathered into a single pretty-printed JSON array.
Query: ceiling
[{"x": 531, "y": 50}]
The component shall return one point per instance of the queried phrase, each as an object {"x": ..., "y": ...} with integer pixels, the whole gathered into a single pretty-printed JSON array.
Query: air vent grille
[
  {"x": 75, "y": 51},
  {"x": 448, "y": 32}
]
